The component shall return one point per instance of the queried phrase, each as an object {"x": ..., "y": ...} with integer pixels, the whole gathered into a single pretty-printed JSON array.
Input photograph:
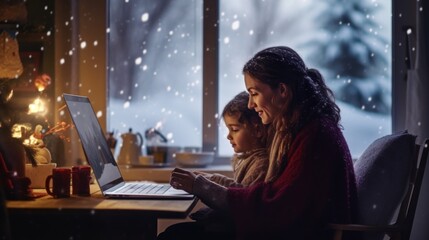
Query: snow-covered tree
[{"x": 354, "y": 54}]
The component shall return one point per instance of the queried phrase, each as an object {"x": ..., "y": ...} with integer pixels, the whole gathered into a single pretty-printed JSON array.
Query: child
[{"x": 248, "y": 137}]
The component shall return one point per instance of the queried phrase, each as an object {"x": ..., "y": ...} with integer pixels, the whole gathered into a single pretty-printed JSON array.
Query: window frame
[{"x": 210, "y": 75}]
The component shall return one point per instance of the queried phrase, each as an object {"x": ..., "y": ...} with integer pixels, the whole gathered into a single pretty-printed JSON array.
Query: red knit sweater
[{"x": 317, "y": 187}]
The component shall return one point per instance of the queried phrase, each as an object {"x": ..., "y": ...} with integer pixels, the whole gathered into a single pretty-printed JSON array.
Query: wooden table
[
  {"x": 93, "y": 217},
  {"x": 163, "y": 174}
]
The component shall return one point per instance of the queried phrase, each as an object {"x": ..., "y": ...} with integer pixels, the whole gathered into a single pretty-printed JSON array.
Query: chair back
[
  {"x": 382, "y": 176},
  {"x": 409, "y": 205},
  {"x": 383, "y": 173},
  {"x": 389, "y": 176}
]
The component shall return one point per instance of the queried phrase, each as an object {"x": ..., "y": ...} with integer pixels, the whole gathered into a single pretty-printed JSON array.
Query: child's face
[{"x": 243, "y": 137}]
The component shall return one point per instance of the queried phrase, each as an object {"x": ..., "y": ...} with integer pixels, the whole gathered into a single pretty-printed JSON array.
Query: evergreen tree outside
[{"x": 353, "y": 53}]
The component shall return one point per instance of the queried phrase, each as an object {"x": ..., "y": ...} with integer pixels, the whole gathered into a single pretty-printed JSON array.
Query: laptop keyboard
[{"x": 144, "y": 188}]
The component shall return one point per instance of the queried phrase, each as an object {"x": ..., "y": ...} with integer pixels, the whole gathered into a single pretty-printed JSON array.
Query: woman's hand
[{"x": 183, "y": 179}]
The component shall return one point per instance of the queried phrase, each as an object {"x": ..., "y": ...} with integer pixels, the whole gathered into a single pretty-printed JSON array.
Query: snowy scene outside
[{"x": 155, "y": 61}]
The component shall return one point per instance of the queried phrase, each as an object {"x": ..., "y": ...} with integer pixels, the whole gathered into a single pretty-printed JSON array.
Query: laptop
[{"x": 101, "y": 159}]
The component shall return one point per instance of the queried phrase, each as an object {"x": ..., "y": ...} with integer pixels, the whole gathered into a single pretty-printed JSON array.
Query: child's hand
[{"x": 183, "y": 179}]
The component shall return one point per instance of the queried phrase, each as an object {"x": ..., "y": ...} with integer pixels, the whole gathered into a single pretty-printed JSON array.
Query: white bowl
[{"x": 194, "y": 159}]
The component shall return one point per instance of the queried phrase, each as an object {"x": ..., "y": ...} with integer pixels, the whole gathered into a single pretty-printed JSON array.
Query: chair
[{"x": 371, "y": 226}]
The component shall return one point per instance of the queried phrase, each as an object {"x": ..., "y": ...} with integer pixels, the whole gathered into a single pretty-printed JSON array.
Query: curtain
[{"x": 417, "y": 115}]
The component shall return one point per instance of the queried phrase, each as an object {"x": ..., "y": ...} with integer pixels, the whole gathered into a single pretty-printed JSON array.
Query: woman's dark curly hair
[{"x": 309, "y": 97}]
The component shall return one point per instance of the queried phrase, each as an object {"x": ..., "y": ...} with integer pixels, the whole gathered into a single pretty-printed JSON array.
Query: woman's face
[{"x": 264, "y": 100}]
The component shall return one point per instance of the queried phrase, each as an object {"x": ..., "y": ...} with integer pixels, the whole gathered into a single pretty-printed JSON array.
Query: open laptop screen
[{"x": 93, "y": 141}]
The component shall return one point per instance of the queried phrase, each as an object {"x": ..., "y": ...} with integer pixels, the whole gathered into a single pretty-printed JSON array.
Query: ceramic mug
[
  {"x": 81, "y": 177},
  {"x": 61, "y": 178}
]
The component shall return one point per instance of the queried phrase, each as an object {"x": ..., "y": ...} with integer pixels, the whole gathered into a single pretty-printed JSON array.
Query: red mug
[
  {"x": 60, "y": 183},
  {"x": 81, "y": 177}
]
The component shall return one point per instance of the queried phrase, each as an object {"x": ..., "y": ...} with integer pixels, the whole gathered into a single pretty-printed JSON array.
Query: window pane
[
  {"x": 155, "y": 78},
  {"x": 348, "y": 41}
]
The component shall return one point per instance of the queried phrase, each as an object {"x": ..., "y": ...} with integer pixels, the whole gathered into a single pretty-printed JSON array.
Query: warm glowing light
[
  {"x": 10, "y": 95},
  {"x": 20, "y": 130},
  {"x": 37, "y": 107},
  {"x": 42, "y": 81}
]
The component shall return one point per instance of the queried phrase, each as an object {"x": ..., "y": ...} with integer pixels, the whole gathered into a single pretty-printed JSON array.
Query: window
[
  {"x": 155, "y": 77},
  {"x": 156, "y": 58}
]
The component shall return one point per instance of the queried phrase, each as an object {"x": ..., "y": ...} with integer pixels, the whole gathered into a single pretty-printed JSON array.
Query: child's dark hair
[{"x": 238, "y": 107}]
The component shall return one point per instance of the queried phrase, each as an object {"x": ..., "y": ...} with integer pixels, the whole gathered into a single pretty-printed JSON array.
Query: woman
[{"x": 310, "y": 180}]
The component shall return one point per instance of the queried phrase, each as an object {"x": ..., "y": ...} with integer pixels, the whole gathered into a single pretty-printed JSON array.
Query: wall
[{"x": 84, "y": 70}]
